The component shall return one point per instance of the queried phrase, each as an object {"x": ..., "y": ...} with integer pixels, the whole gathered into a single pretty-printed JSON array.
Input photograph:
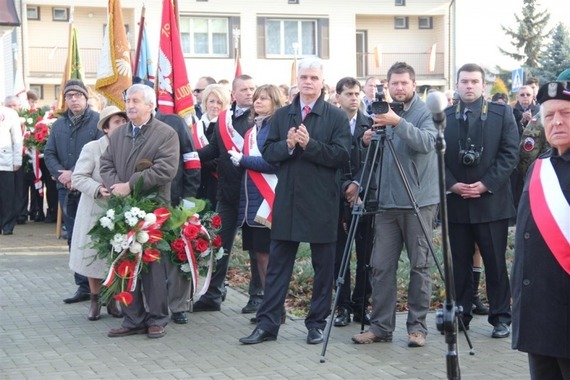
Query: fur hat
[
  {"x": 75, "y": 85},
  {"x": 553, "y": 90},
  {"x": 107, "y": 113}
]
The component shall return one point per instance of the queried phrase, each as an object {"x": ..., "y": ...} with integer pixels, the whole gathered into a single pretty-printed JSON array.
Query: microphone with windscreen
[{"x": 436, "y": 102}]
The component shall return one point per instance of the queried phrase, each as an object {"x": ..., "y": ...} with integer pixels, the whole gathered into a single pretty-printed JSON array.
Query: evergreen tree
[
  {"x": 528, "y": 35},
  {"x": 556, "y": 57}
]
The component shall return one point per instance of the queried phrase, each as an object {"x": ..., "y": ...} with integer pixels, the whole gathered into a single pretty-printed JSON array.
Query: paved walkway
[{"x": 43, "y": 338}]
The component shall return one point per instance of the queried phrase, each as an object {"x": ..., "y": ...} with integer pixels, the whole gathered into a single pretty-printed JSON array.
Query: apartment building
[{"x": 354, "y": 38}]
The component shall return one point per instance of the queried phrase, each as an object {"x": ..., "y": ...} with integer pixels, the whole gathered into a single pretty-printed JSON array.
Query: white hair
[
  {"x": 149, "y": 94},
  {"x": 310, "y": 63}
]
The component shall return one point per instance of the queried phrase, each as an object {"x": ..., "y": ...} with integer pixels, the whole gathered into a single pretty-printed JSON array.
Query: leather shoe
[
  {"x": 21, "y": 220},
  {"x": 501, "y": 330},
  {"x": 179, "y": 318},
  {"x": 315, "y": 336},
  {"x": 78, "y": 297},
  {"x": 8, "y": 232},
  {"x": 342, "y": 318},
  {"x": 203, "y": 306},
  {"x": 479, "y": 307},
  {"x": 358, "y": 318},
  {"x": 258, "y": 336},
  {"x": 125, "y": 331},
  {"x": 156, "y": 332},
  {"x": 252, "y": 306}
]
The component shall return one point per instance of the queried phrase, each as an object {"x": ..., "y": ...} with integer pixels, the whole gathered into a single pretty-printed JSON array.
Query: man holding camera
[
  {"x": 413, "y": 135},
  {"x": 482, "y": 151}
]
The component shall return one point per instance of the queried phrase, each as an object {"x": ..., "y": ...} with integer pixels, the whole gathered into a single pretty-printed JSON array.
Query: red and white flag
[{"x": 173, "y": 87}]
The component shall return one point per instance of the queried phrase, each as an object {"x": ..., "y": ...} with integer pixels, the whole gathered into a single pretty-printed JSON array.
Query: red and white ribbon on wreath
[
  {"x": 38, "y": 184},
  {"x": 550, "y": 211},
  {"x": 152, "y": 228},
  {"x": 190, "y": 255}
]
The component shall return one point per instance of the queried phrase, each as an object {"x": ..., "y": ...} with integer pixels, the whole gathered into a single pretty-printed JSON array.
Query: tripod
[{"x": 374, "y": 152}]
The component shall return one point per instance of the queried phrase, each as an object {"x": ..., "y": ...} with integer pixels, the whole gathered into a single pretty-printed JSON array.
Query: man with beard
[{"x": 413, "y": 135}]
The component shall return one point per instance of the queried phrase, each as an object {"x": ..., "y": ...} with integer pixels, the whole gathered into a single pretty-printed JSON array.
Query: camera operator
[
  {"x": 413, "y": 135},
  {"x": 482, "y": 151}
]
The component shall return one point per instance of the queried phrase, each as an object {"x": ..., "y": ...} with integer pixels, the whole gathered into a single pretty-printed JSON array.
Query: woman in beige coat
[{"x": 86, "y": 179}]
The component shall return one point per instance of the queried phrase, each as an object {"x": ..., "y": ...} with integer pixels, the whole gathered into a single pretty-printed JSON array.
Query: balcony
[{"x": 366, "y": 64}]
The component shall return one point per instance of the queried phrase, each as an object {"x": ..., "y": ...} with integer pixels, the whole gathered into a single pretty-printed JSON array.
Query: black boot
[
  {"x": 478, "y": 307},
  {"x": 95, "y": 308}
]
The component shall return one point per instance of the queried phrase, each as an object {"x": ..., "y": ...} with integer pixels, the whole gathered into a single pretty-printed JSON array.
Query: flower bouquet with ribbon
[
  {"x": 195, "y": 243},
  {"x": 129, "y": 237}
]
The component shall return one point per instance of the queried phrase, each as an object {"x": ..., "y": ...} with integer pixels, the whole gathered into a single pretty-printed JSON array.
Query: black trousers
[
  {"x": 548, "y": 367},
  {"x": 363, "y": 241},
  {"x": 8, "y": 212},
  {"x": 491, "y": 238},
  {"x": 281, "y": 262},
  {"x": 229, "y": 214}
]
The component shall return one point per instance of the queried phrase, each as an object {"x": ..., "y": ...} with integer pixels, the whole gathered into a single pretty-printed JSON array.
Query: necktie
[
  {"x": 466, "y": 114},
  {"x": 306, "y": 111},
  {"x": 136, "y": 132},
  {"x": 239, "y": 112}
]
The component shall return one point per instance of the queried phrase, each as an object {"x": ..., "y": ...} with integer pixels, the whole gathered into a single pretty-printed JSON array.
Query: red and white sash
[
  {"x": 198, "y": 135},
  {"x": 265, "y": 183},
  {"x": 550, "y": 211},
  {"x": 230, "y": 137}
]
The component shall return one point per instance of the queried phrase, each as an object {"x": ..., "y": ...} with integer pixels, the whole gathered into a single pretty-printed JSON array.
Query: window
[
  {"x": 60, "y": 14},
  {"x": 206, "y": 36},
  {"x": 33, "y": 13},
  {"x": 275, "y": 37},
  {"x": 38, "y": 89},
  {"x": 292, "y": 1},
  {"x": 425, "y": 22},
  {"x": 56, "y": 89},
  {"x": 400, "y": 22},
  {"x": 400, "y": 3}
]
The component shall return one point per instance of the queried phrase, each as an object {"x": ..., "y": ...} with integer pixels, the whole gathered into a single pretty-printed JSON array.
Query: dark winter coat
[{"x": 308, "y": 188}]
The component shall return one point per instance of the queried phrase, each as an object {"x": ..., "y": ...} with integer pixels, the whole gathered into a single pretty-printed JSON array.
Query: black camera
[
  {"x": 469, "y": 157},
  {"x": 380, "y": 105}
]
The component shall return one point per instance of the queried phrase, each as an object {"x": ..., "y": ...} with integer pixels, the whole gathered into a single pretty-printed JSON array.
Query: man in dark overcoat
[
  {"x": 310, "y": 139},
  {"x": 541, "y": 270},
  {"x": 482, "y": 151}
]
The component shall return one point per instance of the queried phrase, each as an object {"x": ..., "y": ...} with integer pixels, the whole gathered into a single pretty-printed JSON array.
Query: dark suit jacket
[
  {"x": 499, "y": 138},
  {"x": 308, "y": 188}
]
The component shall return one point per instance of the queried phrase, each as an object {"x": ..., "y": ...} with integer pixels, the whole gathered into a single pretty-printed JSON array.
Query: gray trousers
[
  {"x": 179, "y": 288},
  {"x": 393, "y": 229},
  {"x": 152, "y": 286}
]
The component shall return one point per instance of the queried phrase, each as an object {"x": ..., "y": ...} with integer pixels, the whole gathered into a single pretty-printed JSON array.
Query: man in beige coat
[{"x": 151, "y": 147}]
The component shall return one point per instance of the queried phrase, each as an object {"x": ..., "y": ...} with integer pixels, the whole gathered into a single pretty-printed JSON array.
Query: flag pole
[{"x": 139, "y": 42}]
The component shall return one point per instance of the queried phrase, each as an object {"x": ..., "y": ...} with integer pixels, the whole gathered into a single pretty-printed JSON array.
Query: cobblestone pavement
[{"x": 43, "y": 338}]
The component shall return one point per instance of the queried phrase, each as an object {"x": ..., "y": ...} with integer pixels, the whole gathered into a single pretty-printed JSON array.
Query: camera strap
[{"x": 464, "y": 125}]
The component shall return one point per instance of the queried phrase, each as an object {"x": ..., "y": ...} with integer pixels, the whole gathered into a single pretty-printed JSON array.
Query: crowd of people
[{"x": 288, "y": 165}]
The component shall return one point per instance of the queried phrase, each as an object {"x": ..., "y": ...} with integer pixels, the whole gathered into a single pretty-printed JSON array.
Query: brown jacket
[{"x": 157, "y": 144}]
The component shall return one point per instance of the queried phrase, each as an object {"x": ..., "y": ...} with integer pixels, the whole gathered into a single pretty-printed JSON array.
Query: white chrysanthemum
[
  {"x": 141, "y": 214},
  {"x": 111, "y": 214},
  {"x": 150, "y": 218},
  {"x": 119, "y": 238},
  {"x": 135, "y": 247},
  {"x": 185, "y": 267},
  {"x": 131, "y": 221},
  {"x": 29, "y": 120},
  {"x": 107, "y": 223},
  {"x": 125, "y": 244},
  {"x": 142, "y": 237},
  {"x": 117, "y": 248},
  {"x": 22, "y": 120}
]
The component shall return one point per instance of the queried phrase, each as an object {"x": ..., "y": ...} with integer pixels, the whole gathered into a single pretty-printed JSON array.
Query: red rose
[
  {"x": 154, "y": 235},
  {"x": 182, "y": 257},
  {"x": 201, "y": 245},
  {"x": 124, "y": 297},
  {"x": 217, "y": 241},
  {"x": 126, "y": 269},
  {"x": 178, "y": 245},
  {"x": 191, "y": 231},
  {"x": 40, "y": 136},
  {"x": 216, "y": 221},
  {"x": 150, "y": 255}
]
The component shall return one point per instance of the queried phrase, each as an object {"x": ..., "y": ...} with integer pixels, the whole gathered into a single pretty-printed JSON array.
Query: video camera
[{"x": 380, "y": 105}]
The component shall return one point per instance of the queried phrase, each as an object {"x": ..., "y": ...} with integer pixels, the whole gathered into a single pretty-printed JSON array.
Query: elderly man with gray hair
[{"x": 143, "y": 139}]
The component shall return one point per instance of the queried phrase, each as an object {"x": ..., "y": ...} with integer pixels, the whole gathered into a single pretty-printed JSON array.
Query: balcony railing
[
  {"x": 50, "y": 62},
  {"x": 366, "y": 64}
]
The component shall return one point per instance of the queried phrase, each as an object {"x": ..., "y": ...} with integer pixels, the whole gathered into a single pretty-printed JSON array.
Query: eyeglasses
[
  {"x": 525, "y": 94},
  {"x": 198, "y": 90},
  {"x": 73, "y": 95}
]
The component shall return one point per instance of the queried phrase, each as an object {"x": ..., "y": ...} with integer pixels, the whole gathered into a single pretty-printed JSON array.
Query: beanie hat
[{"x": 76, "y": 85}]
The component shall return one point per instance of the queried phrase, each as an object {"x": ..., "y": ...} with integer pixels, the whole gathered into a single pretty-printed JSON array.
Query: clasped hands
[
  {"x": 235, "y": 156},
  {"x": 298, "y": 135},
  {"x": 469, "y": 190}
]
